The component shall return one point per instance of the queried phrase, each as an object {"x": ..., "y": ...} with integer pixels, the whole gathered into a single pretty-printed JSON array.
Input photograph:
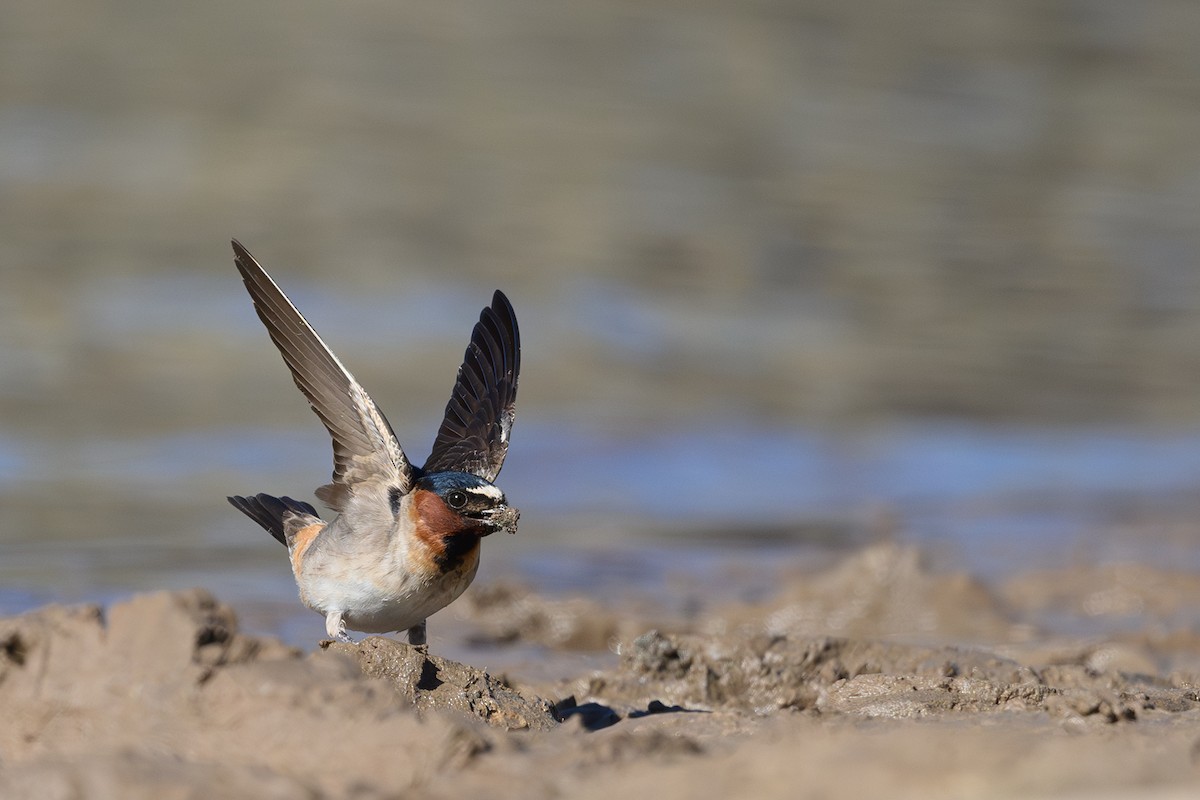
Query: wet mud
[{"x": 163, "y": 693}]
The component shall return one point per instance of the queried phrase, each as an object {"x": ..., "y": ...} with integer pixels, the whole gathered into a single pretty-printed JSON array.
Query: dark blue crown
[{"x": 442, "y": 482}]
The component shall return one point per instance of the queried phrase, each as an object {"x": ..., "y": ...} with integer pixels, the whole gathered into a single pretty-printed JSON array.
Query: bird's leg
[
  {"x": 335, "y": 626},
  {"x": 416, "y": 634}
]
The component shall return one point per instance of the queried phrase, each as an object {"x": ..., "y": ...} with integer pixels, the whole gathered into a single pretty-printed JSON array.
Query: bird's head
[{"x": 452, "y": 503}]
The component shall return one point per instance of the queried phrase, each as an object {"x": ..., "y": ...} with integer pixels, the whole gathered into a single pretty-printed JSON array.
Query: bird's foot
[{"x": 335, "y": 627}]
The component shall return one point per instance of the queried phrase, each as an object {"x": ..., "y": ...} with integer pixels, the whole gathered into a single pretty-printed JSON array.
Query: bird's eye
[{"x": 456, "y": 499}]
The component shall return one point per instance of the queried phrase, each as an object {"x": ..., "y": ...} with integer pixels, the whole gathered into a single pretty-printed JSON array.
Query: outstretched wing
[
  {"x": 474, "y": 434},
  {"x": 365, "y": 449}
]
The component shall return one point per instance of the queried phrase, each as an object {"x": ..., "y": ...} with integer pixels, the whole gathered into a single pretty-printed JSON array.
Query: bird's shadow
[{"x": 597, "y": 716}]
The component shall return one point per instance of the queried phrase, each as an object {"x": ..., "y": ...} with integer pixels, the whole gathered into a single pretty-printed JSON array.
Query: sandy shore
[{"x": 874, "y": 677}]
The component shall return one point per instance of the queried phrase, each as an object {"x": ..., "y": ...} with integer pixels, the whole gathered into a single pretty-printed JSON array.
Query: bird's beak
[{"x": 503, "y": 518}]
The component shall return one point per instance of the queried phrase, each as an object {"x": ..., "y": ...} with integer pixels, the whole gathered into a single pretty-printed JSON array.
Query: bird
[{"x": 405, "y": 542}]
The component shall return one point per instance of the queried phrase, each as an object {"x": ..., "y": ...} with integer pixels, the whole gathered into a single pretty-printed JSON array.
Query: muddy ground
[{"x": 873, "y": 677}]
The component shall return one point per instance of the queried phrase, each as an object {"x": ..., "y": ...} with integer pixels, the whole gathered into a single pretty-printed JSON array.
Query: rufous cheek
[{"x": 433, "y": 522}]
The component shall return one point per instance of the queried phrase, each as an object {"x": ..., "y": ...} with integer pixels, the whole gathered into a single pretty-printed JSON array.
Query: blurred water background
[{"x": 792, "y": 276}]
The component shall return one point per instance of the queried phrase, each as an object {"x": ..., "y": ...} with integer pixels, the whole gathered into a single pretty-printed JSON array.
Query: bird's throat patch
[{"x": 443, "y": 540}]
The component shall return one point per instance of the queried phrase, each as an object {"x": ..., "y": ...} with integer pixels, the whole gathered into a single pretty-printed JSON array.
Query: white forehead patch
[{"x": 488, "y": 491}]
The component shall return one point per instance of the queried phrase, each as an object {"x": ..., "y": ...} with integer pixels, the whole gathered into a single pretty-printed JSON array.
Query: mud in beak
[{"x": 503, "y": 518}]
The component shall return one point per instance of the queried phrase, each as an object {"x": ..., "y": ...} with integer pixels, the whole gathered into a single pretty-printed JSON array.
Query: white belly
[{"x": 379, "y": 599}]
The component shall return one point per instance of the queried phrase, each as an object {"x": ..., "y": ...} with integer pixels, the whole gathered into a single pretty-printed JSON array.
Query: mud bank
[{"x": 162, "y": 695}]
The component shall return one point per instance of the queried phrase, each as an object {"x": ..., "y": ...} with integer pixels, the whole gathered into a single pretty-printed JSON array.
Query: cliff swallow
[{"x": 406, "y": 540}]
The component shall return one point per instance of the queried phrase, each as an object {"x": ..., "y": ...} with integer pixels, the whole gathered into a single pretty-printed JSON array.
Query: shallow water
[
  {"x": 605, "y": 513},
  {"x": 108, "y": 491}
]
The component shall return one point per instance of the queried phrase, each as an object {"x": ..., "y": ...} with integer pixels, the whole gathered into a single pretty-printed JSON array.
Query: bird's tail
[{"x": 269, "y": 512}]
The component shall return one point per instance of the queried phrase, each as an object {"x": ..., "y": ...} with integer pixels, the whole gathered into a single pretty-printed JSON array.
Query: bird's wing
[
  {"x": 365, "y": 449},
  {"x": 474, "y": 434}
]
